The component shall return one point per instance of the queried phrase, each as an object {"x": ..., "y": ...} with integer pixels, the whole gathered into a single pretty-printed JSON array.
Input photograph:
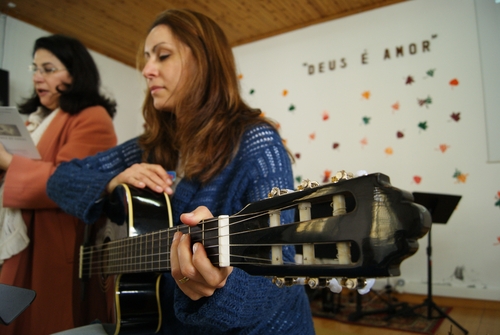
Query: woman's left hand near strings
[{"x": 191, "y": 268}]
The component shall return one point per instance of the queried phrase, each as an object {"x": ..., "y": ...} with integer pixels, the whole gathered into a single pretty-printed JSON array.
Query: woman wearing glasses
[{"x": 68, "y": 118}]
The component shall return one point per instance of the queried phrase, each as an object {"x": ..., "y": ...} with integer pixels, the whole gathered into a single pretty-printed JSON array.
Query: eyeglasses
[{"x": 45, "y": 70}]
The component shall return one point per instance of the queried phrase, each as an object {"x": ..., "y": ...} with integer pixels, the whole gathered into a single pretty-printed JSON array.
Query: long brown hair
[{"x": 210, "y": 116}]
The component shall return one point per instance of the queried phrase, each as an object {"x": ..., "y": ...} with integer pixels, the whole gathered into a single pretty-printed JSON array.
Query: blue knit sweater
[{"x": 246, "y": 304}]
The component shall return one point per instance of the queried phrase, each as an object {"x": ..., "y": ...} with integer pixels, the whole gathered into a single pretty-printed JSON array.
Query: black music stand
[
  {"x": 440, "y": 206},
  {"x": 13, "y": 301}
]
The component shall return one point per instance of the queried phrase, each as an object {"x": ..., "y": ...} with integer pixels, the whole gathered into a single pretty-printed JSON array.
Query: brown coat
[{"x": 49, "y": 264}]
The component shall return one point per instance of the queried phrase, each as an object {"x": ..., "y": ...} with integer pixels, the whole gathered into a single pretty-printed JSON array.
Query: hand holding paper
[
  {"x": 5, "y": 158},
  {"x": 14, "y": 136}
]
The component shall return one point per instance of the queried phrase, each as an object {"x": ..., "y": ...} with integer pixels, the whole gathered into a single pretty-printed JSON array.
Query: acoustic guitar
[{"x": 349, "y": 229}]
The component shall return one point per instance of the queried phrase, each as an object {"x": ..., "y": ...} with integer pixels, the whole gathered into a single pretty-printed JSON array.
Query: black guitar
[{"x": 349, "y": 229}]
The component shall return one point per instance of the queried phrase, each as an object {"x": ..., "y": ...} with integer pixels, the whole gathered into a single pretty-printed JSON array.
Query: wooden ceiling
[{"x": 115, "y": 28}]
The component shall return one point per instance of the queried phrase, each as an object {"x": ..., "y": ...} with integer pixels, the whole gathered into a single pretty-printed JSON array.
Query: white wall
[
  {"x": 349, "y": 118},
  {"x": 121, "y": 82}
]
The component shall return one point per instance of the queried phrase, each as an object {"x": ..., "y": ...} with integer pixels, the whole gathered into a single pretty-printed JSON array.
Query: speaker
[{"x": 4, "y": 88}]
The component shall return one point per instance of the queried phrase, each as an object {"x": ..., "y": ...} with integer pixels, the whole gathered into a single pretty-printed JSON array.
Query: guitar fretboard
[{"x": 144, "y": 253}]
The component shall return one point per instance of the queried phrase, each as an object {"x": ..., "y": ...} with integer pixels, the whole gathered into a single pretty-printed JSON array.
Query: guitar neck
[{"x": 148, "y": 252}]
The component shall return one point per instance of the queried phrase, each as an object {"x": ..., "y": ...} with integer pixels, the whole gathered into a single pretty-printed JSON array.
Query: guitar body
[
  {"x": 136, "y": 296},
  {"x": 139, "y": 210},
  {"x": 137, "y": 299}
]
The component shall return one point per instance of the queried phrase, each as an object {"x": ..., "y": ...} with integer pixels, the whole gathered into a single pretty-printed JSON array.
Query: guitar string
[
  {"x": 111, "y": 262},
  {"x": 153, "y": 259},
  {"x": 164, "y": 266},
  {"x": 149, "y": 239},
  {"x": 119, "y": 243}
]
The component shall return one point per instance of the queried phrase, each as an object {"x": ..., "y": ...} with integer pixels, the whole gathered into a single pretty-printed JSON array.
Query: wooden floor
[{"x": 477, "y": 317}]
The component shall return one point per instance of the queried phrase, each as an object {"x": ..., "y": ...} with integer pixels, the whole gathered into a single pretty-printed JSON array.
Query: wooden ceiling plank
[
  {"x": 253, "y": 22},
  {"x": 116, "y": 28},
  {"x": 332, "y": 16}
]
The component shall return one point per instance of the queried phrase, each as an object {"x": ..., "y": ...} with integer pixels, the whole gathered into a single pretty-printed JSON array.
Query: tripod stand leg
[
  {"x": 444, "y": 315},
  {"x": 392, "y": 309},
  {"x": 429, "y": 302}
]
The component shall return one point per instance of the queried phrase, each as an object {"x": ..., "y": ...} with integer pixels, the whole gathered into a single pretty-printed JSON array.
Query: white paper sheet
[{"x": 14, "y": 135}]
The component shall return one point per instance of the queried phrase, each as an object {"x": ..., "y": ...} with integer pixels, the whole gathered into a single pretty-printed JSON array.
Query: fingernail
[
  {"x": 183, "y": 237},
  {"x": 176, "y": 235},
  {"x": 172, "y": 174},
  {"x": 195, "y": 247}
]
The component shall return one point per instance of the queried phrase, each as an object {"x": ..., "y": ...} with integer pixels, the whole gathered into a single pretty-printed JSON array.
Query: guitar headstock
[{"x": 351, "y": 228}]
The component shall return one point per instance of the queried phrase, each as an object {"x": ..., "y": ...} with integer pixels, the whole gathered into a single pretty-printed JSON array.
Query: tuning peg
[
  {"x": 278, "y": 281},
  {"x": 287, "y": 281},
  {"x": 275, "y": 191},
  {"x": 341, "y": 175},
  {"x": 361, "y": 284},
  {"x": 368, "y": 286},
  {"x": 306, "y": 183},
  {"x": 331, "y": 283},
  {"x": 334, "y": 285},
  {"x": 350, "y": 283}
]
